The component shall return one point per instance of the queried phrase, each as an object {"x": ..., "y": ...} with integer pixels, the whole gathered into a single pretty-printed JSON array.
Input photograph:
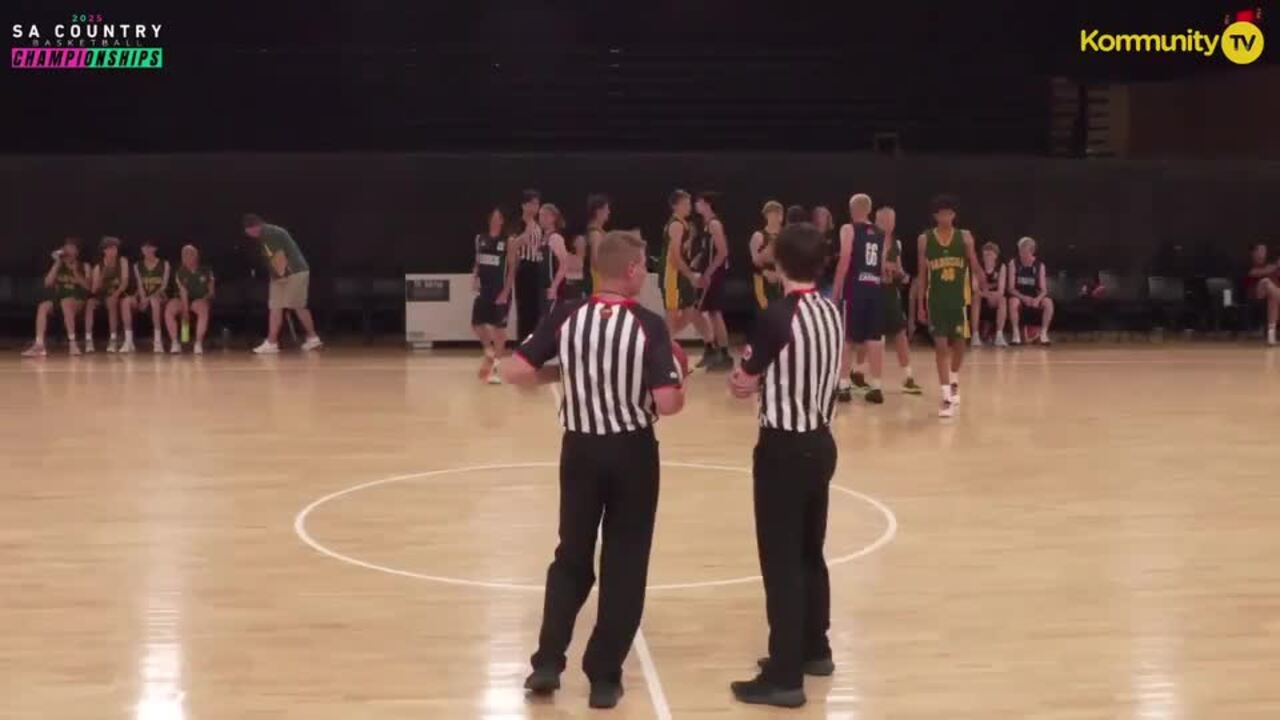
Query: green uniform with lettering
[
  {"x": 195, "y": 281},
  {"x": 65, "y": 285},
  {"x": 677, "y": 292},
  {"x": 948, "y": 288},
  {"x": 153, "y": 278},
  {"x": 894, "y": 319},
  {"x": 275, "y": 239},
  {"x": 111, "y": 278}
]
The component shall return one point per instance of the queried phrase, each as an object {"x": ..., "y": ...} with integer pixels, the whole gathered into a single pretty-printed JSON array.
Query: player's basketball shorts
[
  {"x": 864, "y": 316},
  {"x": 485, "y": 311},
  {"x": 1028, "y": 315},
  {"x": 712, "y": 299},
  {"x": 289, "y": 292},
  {"x": 895, "y": 321},
  {"x": 677, "y": 292},
  {"x": 948, "y": 319}
]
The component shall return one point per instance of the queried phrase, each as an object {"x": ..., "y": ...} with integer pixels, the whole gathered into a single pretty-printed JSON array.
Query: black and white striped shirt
[
  {"x": 796, "y": 349},
  {"x": 612, "y": 354}
]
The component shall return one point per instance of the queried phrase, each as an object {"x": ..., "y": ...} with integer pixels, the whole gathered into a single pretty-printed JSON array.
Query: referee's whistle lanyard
[
  {"x": 609, "y": 297},
  {"x": 802, "y": 289}
]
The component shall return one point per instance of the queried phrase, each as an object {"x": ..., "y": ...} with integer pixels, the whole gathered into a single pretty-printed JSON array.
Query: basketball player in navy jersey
[
  {"x": 563, "y": 264},
  {"x": 492, "y": 277},
  {"x": 1029, "y": 292},
  {"x": 858, "y": 284},
  {"x": 715, "y": 247},
  {"x": 994, "y": 297}
]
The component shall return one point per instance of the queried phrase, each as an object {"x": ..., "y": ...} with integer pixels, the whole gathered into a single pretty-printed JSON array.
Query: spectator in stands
[
  {"x": 825, "y": 223},
  {"x": 67, "y": 286},
  {"x": 1263, "y": 284},
  {"x": 1029, "y": 292},
  {"x": 993, "y": 298}
]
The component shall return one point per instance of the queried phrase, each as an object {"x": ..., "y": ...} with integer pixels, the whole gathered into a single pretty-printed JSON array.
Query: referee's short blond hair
[{"x": 617, "y": 250}]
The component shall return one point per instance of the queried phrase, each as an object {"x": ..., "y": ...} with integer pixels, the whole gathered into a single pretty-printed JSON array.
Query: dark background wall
[{"x": 383, "y": 215}]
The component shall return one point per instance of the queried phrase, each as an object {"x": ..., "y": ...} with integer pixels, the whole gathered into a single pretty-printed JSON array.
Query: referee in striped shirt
[
  {"x": 617, "y": 373},
  {"x": 793, "y": 364}
]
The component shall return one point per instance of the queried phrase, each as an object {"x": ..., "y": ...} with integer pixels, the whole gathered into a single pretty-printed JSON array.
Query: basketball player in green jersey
[
  {"x": 946, "y": 255},
  {"x": 196, "y": 287},
  {"x": 66, "y": 286},
  {"x": 151, "y": 275},
  {"x": 110, "y": 281}
]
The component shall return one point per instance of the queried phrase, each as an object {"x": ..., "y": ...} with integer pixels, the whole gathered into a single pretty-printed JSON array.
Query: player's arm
[
  {"x": 1013, "y": 290},
  {"x": 124, "y": 277},
  {"x": 922, "y": 267},
  {"x": 280, "y": 263},
  {"x": 1264, "y": 270},
  {"x": 509, "y": 278},
  {"x": 972, "y": 254},
  {"x": 95, "y": 280},
  {"x": 767, "y": 340},
  {"x": 719, "y": 246},
  {"x": 1043, "y": 284},
  {"x": 182, "y": 295},
  {"x": 676, "y": 232},
  {"x": 213, "y": 287},
  {"x": 842, "y": 264},
  {"x": 164, "y": 284},
  {"x": 659, "y": 370},
  {"x": 528, "y": 364},
  {"x": 51, "y": 277},
  {"x": 1002, "y": 281},
  {"x": 556, "y": 243}
]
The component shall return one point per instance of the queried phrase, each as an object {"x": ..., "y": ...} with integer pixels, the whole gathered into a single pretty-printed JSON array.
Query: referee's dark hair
[
  {"x": 797, "y": 214},
  {"x": 801, "y": 252},
  {"x": 530, "y": 195},
  {"x": 944, "y": 202},
  {"x": 676, "y": 197}
]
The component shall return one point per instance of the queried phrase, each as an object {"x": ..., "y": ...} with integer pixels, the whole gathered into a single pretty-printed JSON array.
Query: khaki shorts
[{"x": 289, "y": 292}]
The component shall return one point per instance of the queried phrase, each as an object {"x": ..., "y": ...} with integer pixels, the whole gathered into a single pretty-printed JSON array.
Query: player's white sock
[
  {"x": 844, "y": 384},
  {"x": 1271, "y": 334},
  {"x": 112, "y": 338},
  {"x": 875, "y": 383},
  {"x": 955, "y": 377},
  {"x": 128, "y": 336},
  {"x": 907, "y": 370},
  {"x": 946, "y": 393}
]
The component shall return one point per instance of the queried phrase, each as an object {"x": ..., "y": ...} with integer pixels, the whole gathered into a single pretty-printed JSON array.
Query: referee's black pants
[
  {"x": 614, "y": 478},
  {"x": 530, "y": 297},
  {"x": 792, "y": 477}
]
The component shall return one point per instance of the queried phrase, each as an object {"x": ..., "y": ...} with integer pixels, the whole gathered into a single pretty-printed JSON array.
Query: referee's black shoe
[
  {"x": 542, "y": 681},
  {"x": 822, "y": 667},
  {"x": 762, "y": 692},
  {"x": 604, "y": 694}
]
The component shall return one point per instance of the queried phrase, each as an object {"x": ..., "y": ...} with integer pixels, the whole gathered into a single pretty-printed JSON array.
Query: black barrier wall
[{"x": 382, "y": 215}]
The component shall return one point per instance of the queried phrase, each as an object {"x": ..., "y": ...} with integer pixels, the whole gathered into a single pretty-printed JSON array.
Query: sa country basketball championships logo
[
  {"x": 1241, "y": 42},
  {"x": 86, "y": 41}
]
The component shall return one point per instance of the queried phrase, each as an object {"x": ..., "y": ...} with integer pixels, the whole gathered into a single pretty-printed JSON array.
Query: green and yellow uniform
[
  {"x": 65, "y": 285},
  {"x": 196, "y": 282},
  {"x": 677, "y": 292},
  {"x": 111, "y": 278},
  {"x": 153, "y": 278},
  {"x": 766, "y": 291},
  {"x": 948, "y": 284},
  {"x": 894, "y": 319}
]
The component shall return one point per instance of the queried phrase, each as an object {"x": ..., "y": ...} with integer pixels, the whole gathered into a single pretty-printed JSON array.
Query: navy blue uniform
[
  {"x": 1026, "y": 280},
  {"x": 864, "y": 300},
  {"x": 491, "y": 269}
]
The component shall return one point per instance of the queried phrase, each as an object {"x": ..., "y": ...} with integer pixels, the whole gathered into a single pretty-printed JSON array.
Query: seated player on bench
[
  {"x": 1029, "y": 301},
  {"x": 1263, "y": 284},
  {"x": 991, "y": 299}
]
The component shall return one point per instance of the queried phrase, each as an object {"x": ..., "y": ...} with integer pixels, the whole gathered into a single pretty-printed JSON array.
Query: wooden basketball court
[{"x": 363, "y": 534}]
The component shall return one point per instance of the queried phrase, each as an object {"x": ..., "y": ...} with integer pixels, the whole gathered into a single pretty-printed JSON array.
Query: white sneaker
[
  {"x": 267, "y": 348},
  {"x": 975, "y": 342},
  {"x": 175, "y": 349},
  {"x": 1271, "y": 337},
  {"x": 947, "y": 409},
  {"x": 313, "y": 343},
  {"x": 1000, "y": 341},
  {"x": 157, "y": 347},
  {"x": 127, "y": 347},
  {"x": 36, "y": 350},
  {"x": 1044, "y": 339},
  {"x": 111, "y": 345},
  {"x": 197, "y": 349},
  {"x": 1017, "y": 339},
  {"x": 73, "y": 348},
  {"x": 88, "y": 347},
  {"x": 955, "y": 393}
]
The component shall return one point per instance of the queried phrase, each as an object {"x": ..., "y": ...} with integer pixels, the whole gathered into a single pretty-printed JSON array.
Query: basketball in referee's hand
[{"x": 682, "y": 360}]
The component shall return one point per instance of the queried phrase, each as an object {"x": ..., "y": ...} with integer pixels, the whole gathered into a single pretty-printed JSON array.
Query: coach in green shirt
[{"x": 290, "y": 277}]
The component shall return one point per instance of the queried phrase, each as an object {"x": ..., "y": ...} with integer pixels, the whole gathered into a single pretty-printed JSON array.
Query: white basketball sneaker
[{"x": 267, "y": 348}]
